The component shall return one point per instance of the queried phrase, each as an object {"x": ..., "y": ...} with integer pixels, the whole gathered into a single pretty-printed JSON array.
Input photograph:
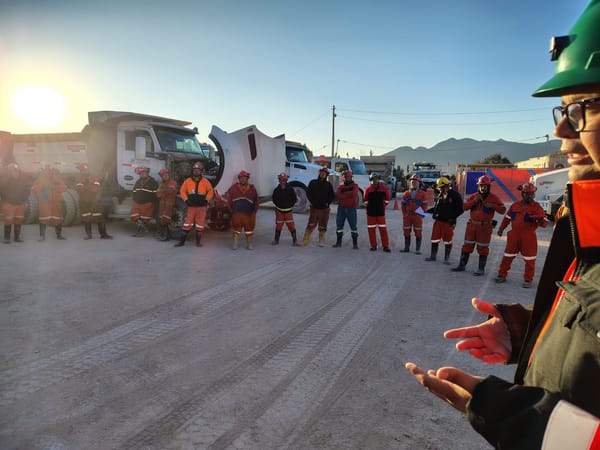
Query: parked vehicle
[
  {"x": 112, "y": 144},
  {"x": 428, "y": 172},
  {"x": 360, "y": 174},
  {"x": 550, "y": 189}
]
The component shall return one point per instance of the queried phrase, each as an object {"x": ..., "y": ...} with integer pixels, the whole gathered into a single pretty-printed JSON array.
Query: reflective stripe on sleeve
[{"x": 571, "y": 427}]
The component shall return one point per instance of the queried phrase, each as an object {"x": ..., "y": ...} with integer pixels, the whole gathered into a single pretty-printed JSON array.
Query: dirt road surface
[{"x": 135, "y": 344}]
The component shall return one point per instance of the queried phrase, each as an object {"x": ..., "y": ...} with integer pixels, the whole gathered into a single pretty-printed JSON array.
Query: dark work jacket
[
  {"x": 284, "y": 198},
  {"x": 376, "y": 198},
  {"x": 566, "y": 362},
  {"x": 320, "y": 193},
  {"x": 15, "y": 190},
  {"x": 448, "y": 209},
  {"x": 144, "y": 191}
]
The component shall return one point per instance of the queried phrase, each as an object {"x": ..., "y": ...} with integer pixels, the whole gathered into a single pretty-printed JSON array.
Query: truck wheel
[
  {"x": 33, "y": 210},
  {"x": 301, "y": 204},
  {"x": 69, "y": 207}
]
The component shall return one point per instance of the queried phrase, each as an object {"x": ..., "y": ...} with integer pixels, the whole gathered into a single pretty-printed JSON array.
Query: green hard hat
[{"x": 578, "y": 55}]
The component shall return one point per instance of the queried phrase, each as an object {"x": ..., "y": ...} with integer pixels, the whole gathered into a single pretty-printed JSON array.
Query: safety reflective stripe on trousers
[{"x": 570, "y": 427}]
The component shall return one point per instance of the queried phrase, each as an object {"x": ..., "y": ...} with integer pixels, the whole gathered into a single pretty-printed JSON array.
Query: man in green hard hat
[{"x": 554, "y": 401}]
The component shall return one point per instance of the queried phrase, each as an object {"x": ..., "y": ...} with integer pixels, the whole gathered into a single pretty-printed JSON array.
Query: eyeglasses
[{"x": 575, "y": 113}]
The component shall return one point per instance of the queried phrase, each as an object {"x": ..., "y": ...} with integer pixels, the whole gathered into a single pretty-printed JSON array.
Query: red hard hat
[
  {"x": 348, "y": 174},
  {"x": 283, "y": 176},
  {"x": 161, "y": 172},
  {"x": 484, "y": 179},
  {"x": 416, "y": 176},
  {"x": 243, "y": 173},
  {"x": 198, "y": 165},
  {"x": 324, "y": 169},
  {"x": 140, "y": 169},
  {"x": 527, "y": 187},
  {"x": 83, "y": 166}
]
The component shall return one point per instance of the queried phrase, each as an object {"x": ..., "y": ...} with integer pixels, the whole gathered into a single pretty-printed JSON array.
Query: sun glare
[{"x": 38, "y": 106}]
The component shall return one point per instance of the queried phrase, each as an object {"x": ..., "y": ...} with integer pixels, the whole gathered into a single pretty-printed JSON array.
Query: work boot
[
  {"x": 418, "y": 249},
  {"x": 102, "y": 231},
  {"x": 464, "y": 259},
  {"x": 182, "y": 239},
  {"x": 250, "y": 241},
  {"x": 434, "y": 250},
  {"x": 306, "y": 238},
  {"x": 88, "y": 231},
  {"x": 500, "y": 279},
  {"x": 294, "y": 238},
  {"x": 18, "y": 233},
  {"x": 58, "y": 231},
  {"x": 236, "y": 237},
  {"x": 42, "y": 232},
  {"x": 481, "y": 270},
  {"x": 164, "y": 233},
  {"x": 276, "y": 240},
  {"x": 354, "y": 242},
  {"x": 447, "y": 250},
  {"x": 140, "y": 230},
  {"x": 6, "y": 234},
  {"x": 386, "y": 249},
  {"x": 198, "y": 238},
  {"x": 338, "y": 240},
  {"x": 322, "y": 238},
  {"x": 406, "y": 248}
]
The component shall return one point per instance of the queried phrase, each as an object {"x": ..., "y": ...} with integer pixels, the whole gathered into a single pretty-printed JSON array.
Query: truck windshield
[
  {"x": 295, "y": 155},
  {"x": 173, "y": 140},
  {"x": 358, "y": 167}
]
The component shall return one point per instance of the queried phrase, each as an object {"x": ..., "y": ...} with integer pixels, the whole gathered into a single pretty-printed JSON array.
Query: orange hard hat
[
  {"x": 243, "y": 173},
  {"x": 484, "y": 179}
]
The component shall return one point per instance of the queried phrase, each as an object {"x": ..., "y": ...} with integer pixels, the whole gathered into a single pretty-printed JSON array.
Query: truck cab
[{"x": 551, "y": 189}]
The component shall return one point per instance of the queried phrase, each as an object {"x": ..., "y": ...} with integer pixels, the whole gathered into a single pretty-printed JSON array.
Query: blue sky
[{"x": 399, "y": 72}]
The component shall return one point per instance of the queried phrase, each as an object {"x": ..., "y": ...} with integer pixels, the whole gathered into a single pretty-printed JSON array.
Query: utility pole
[{"x": 332, "y": 131}]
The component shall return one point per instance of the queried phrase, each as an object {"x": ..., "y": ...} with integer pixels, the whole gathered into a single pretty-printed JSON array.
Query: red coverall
[
  {"x": 479, "y": 228},
  {"x": 167, "y": 195},
  {"x": 524, "y": 220},
  {"x": 49, "y": 190},
  {"x": 410, "y": 219}
]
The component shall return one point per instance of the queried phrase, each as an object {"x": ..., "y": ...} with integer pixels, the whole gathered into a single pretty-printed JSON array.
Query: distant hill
[{"x": 451, "y": 152}]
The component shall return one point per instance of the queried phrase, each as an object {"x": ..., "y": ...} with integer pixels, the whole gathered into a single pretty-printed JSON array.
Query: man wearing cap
[
  {"x": 482, "y": 206},
  {"x": 347, "y": 196},
  {"x": 48, "y": 188},
  {"x": 320, "y": 195},
  {"x": 413, "y": 205},
  {"x": 554, "y": 401},
  {"x": 144, "y": 199},
  {"x": 524, "y": 216},
  {"x": 197, "y": 192},
  {"x": 284, "y": 198},
  {"x": 88, "y": 187},
  {"x": 166, "y": 194},
  {"x": 242, "y": 200},
  {"x": 376, "y": 199},
  {"x": 14, "y": 192}
]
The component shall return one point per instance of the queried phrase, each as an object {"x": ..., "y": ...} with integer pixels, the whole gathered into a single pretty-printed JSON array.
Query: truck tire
[
  {"x": 302, "y": 199},
  {"x": 70, "y": 207},
  {"x": 32, "y": 212}
]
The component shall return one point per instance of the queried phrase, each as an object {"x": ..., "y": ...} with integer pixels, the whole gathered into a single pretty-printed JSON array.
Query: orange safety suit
[
  {"x": 167, "y": 196},
  {"x": 524, "y": 219},
  {"x": 196, "y": 194},
  {"x": 413, "y": 199},
  {"x": 479, "y": 227},
  {"x": 243, "y": 204},
  {"x": 88, "y": 188},
  {"x": 49, "y": 190}
]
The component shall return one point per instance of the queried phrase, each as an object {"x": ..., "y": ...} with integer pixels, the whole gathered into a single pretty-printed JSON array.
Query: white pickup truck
[{"x": 550, "y": 189}]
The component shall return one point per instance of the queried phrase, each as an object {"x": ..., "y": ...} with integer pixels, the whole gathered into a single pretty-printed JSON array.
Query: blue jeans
[{"x": 342, "y": 215}]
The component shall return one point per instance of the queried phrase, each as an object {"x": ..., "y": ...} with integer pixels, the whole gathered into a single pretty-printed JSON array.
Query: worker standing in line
[
  {"x": 524, "y": 217},
  {"x": 48, "y": 188},
  {"x": 284, "y": 198},
  {"x": 320, "y": 195},
  {"x": 482, "y": 204},
  {"x": 166, "y": 194},
  {"x": 88, "y": 187},
  {"x": 347, "y": 196},
  {"x": 413, "y": 199},
  {"x": 14, "y": 192},
  {"x": 448, "y": 207},
  {"x": 196, "y": 191},
  {"x": 242, "y": 200},
  {"x": 376, "y": 199},
  {"x": 144, "y": 199}
]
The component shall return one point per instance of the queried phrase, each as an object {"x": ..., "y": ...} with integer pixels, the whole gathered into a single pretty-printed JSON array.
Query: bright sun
[{"x": 38, "y": 106}]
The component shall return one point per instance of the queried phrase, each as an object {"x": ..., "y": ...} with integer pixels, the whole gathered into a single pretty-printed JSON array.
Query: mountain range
[{"x": 451, "y": 152}]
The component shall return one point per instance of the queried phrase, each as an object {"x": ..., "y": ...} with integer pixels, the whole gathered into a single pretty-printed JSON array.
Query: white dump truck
[{"x": 114, "y": 143}]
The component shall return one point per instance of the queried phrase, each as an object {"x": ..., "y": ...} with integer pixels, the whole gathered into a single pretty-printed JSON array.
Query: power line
[
  {"x": 309, "y": 124},
  {"x": 442, "y": 124},
  {"x": 442, "y": 113}
]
